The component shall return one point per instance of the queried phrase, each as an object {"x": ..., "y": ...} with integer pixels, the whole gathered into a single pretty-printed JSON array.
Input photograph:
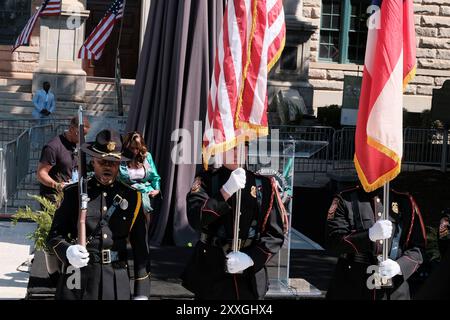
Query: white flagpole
[{"x": 57, "y": 56}]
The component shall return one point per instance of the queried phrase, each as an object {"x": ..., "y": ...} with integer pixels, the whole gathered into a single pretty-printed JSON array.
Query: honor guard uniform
[
  {"x": 213, "y": 272},
  {"x": 354, "y": 232},
  {"x": 114, "y": 219},
  {"x": 437, "y": 285}
]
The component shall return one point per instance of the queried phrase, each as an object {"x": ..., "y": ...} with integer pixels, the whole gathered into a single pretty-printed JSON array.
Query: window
[
  {"x": 343, "y": 30},
  {"x": 14, "y": 14}
]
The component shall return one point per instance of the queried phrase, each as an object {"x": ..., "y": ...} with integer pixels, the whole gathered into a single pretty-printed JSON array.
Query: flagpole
[
  {"x": 57, "y": 57},
  {"x": 117, "y": 72},
  {"x": 385, "y": 216},
  {"x": 237, "y": 209}
]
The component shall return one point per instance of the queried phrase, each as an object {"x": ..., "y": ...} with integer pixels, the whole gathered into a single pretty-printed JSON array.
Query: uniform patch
[
  {"x": 394, "y": 207},
  {"x": 253, "y": 191},
  {"x": 333, "y": 208},
  {"x": 443, "y": 228},
  {"x": 196, "y": 185}
]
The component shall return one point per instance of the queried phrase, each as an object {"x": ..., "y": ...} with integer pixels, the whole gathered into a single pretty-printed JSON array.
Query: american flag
[
  {"x": 53, "y": 8},
  {"x": 389, "y": 65},
  {"x": 47, "y": 8},
  {"x": 95, "y": 43},
  {"x": 251, "y": 41}
]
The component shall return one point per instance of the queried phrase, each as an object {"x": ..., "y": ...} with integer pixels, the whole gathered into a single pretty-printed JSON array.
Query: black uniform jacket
[
  {"x": 437, "y": 285},
  {"x": 108, "y": 281},
  {"x": 350, "y": 216},
  {"x": 263, "y": 221}
]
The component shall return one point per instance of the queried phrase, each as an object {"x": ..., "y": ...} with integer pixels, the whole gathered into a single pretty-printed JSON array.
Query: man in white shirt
[{"x": 44, "y": 102}]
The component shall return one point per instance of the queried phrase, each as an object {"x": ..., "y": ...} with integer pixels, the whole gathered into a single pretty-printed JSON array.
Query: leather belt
[
  {"x": 225, "y": 244},
  {"x": 357, "y": 257},
  {"x": 106, "y": 256}
]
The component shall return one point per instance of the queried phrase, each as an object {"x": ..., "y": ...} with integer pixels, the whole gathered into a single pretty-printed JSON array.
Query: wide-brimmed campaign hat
[{"x": 107, "y": 145}]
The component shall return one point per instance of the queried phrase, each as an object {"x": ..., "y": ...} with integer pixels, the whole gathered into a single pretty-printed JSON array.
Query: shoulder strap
[
  {"x": 105, "y": 219},
  {"x": 356, "y": 214},
  {"x": 259, "y": 186},
  {"x": 395, "y": 242}
]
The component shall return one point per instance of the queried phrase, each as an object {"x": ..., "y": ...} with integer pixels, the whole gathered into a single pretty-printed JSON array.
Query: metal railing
[
  {"x": 343, "y": 148},
  {"x": 10, "y": 129},
  {"x": 421, "y": 147},
  {"x": 3, "y": 194},
  {"x": 20, "y": 155}
]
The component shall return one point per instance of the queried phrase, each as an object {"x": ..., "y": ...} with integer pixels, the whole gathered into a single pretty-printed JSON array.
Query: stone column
[
  {"x": 60, "y": 40},
  {"x": 291, "y": 72}
]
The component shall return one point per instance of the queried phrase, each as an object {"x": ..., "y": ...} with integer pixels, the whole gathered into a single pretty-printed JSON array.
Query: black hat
[{"x": 107, "y": 145}]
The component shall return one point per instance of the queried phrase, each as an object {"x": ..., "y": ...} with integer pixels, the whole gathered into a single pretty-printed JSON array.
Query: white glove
[
  {"x": 389, "y": 269},
  {"x": 235, "y": 182},
  {"x": 140, "y": 298},
  {"x": 238, "y": 261},
  {"x": 78, "y": 256},
  {"x": 382, "y": 229},
  {"x": 84, "y": 201}
]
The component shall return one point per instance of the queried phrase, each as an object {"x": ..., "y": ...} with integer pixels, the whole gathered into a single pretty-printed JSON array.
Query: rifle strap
[{"x": 105, "y": 219}]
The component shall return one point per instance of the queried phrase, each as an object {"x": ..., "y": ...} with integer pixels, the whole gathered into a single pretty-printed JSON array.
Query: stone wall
[
  {"x": 25, "y": 59},
  {"x": 433, "y": 56}
]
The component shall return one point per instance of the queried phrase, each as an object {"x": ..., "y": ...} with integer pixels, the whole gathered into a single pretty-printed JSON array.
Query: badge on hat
[
  {"x": 394, "y": 207},
  {"x": 111, "y": 146}
]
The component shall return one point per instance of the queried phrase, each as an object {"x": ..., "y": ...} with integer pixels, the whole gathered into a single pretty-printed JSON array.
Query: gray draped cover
[{"x": 171, "y": 92}]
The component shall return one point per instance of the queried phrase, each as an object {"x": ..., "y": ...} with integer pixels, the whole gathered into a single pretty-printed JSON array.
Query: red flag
[
  {"x": 96, "y": 42},
  {"x": 251, "y": 41},
  {"x": 389, "y": 64}
]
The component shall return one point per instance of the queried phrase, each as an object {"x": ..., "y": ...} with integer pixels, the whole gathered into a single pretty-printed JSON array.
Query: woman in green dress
[{"x": 140, "y": 172}]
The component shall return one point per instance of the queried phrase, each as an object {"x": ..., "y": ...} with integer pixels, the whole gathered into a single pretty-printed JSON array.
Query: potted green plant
[{"x": 43, "y": 218}]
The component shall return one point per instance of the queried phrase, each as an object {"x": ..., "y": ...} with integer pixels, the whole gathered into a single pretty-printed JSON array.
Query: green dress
[{"x": 150, "y": 182}]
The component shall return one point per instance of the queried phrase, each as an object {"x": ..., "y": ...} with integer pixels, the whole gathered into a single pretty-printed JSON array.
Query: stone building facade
[
  {"x": 26, "y": 59},
  {"x": 432, "y": 19},
  {"x": 22, "y": 63},
  {"x": 325, "y": 74}
]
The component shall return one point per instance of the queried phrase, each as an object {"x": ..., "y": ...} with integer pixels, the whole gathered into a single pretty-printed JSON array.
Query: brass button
[{"x": 105, "y": 236}]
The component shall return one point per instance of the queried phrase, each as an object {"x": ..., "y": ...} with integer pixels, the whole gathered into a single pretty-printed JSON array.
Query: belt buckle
[{"x": 106, "y": 256}]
